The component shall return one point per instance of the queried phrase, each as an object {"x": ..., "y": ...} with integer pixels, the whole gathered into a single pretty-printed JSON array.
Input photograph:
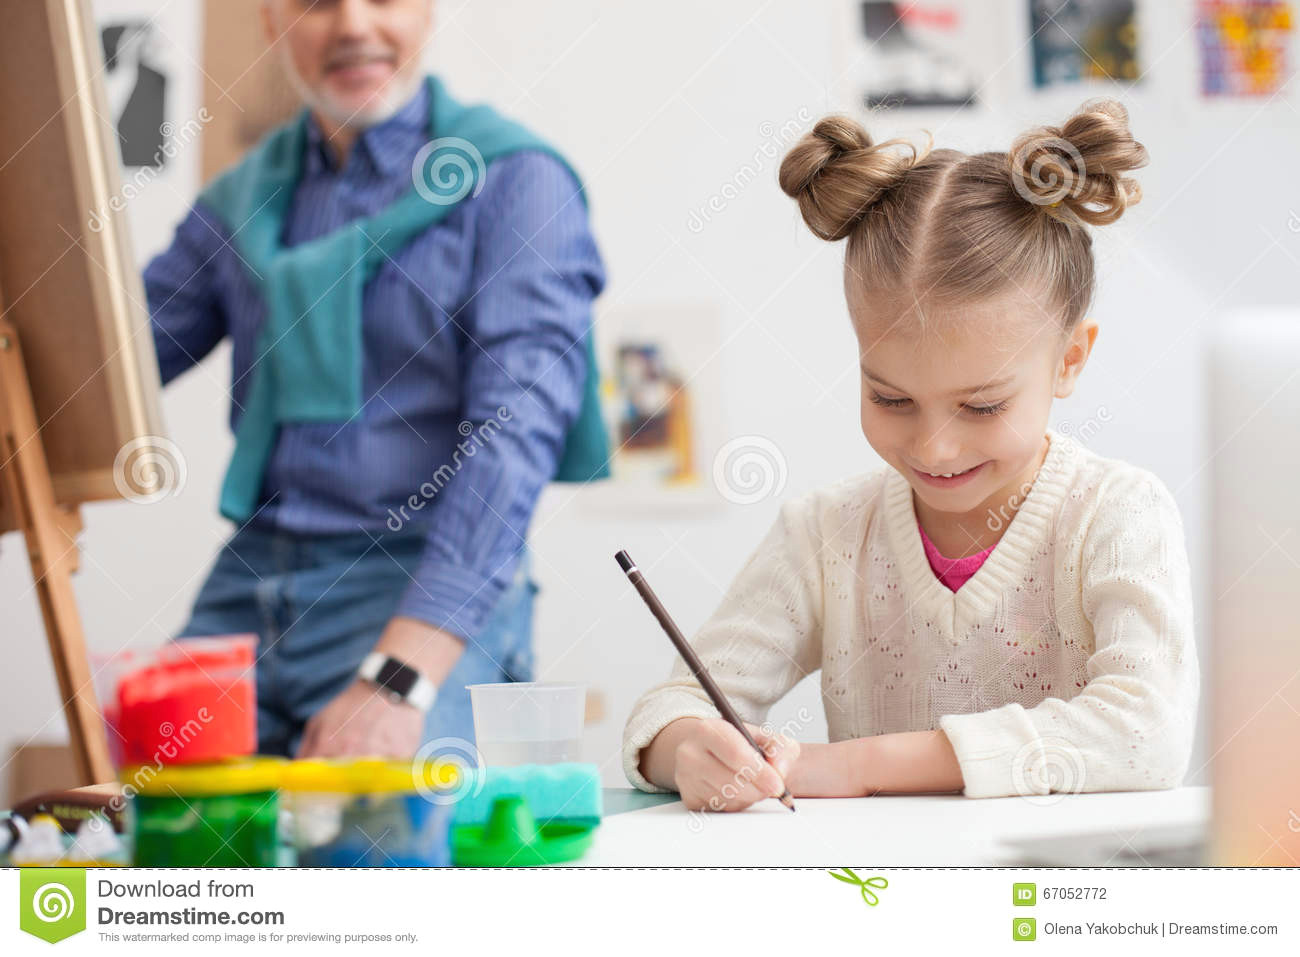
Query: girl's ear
[{"x": 1075, "y": 355}]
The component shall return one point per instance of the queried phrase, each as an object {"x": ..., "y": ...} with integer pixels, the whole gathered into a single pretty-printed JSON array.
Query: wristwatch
[{"x": 400, "y": 680}]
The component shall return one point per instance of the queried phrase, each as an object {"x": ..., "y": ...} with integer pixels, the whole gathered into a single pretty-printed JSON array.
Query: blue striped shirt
[{"x": 474, "y": 361}]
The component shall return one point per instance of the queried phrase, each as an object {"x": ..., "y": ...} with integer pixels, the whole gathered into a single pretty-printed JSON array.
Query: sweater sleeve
[
  {"x": 759, "y": 643},
  {"x": 1131, "y": 725}
]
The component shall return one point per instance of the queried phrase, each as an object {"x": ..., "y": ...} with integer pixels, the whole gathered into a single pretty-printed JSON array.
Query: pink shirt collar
[{"x": 952, "y": 572}]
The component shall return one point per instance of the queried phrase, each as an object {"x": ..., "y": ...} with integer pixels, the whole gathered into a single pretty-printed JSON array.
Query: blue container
[{"x": 368, "y": 813}]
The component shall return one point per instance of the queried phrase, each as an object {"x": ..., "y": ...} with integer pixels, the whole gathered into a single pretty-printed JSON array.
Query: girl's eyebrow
[{"x": 991, "y": 384}]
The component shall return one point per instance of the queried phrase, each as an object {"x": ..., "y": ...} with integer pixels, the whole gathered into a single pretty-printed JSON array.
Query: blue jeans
[{"x": 318, "y": 605}]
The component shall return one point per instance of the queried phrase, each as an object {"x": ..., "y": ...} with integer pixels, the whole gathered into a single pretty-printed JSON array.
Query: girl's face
[{"x": 961, "y": 409}]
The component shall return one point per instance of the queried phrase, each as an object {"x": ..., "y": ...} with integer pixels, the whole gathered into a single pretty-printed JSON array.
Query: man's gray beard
[{"x": 374, "y": 113}]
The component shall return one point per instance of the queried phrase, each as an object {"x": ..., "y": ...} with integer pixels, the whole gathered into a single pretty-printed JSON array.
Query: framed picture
[
  {"x": 662, "y": 402},
  {"x": 909, "y": 55},
  {"x": 1245, "y": 48},
  {"x": 1080, "y": 40}
]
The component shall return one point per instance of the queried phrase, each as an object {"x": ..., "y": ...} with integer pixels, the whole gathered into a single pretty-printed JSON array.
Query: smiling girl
[{"x": 999, "y": 610}]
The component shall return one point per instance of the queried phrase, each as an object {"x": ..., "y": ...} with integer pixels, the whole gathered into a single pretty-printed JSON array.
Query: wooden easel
[
  {"x": 81, "y": 384},
  {"x": 51, "y": 533}
]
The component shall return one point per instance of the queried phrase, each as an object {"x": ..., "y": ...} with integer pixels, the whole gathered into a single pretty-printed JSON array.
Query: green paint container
[{"x": 212, "y": 815}]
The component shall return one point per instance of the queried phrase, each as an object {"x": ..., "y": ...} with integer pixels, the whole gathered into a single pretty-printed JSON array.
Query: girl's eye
[
  {"x": 987, "y": 409},
  {"x": 880, "y": 400}
]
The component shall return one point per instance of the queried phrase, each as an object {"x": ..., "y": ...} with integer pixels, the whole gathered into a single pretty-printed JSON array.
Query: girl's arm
[
  {"x": 911, "y": 762},
  {"x": 764, "y": 637}
]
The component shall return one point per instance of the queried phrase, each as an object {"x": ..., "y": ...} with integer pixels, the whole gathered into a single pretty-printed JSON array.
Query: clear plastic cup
[{"x": 528, "y": 722}]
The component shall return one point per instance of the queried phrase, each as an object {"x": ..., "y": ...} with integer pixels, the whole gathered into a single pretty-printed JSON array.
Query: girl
[{"x": 999, "y": 611}]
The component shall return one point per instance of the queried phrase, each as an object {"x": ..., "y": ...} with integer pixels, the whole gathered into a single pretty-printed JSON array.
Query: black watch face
[{"x": 396, "y": 677}]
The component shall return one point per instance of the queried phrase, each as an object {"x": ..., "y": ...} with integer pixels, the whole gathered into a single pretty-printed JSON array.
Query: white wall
[{"x": 659, "y": 106}]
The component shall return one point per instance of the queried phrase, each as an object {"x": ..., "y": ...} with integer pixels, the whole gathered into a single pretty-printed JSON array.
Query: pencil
[{"x": 692, "y": 659}]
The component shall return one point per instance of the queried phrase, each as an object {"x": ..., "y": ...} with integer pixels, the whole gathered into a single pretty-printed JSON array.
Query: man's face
[{"x": 355, "y": 61}]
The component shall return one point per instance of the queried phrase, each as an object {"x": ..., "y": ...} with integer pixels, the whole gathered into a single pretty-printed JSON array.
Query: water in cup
[
  {"x": 503, "y": 753},
  {"x": 528, "y": 722}
]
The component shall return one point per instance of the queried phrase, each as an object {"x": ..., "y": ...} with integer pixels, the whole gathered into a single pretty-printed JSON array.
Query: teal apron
[{"x": 307, "y": 363}]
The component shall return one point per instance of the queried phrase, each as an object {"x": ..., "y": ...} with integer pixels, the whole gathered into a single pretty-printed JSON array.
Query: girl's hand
[{"x": 715, "y": 768}]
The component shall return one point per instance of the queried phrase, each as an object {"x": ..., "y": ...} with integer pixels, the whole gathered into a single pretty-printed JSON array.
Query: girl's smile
[{"x": 949, "y": 480}]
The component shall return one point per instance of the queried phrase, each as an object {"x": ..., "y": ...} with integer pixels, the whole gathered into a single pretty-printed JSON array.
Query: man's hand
[{"x": 363, "y": 720}]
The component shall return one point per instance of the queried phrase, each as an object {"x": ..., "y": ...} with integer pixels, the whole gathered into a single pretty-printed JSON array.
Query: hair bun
[
  {"x": 836, "y": 173},
  {"x": 1075, "y": 172}
]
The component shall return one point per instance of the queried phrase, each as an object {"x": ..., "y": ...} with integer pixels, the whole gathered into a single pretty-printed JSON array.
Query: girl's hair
[{"x": 950, "y": 228}]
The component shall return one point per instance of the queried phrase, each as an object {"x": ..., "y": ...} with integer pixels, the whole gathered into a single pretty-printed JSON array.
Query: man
[{"x": 410, "y": 368}]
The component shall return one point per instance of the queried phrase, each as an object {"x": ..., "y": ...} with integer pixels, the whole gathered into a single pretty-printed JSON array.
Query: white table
[{"x": 886, "y": 831}]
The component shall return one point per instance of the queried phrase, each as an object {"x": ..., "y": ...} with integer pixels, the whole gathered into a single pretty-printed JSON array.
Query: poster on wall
[
  {"x": 150, "y": 81},
  {"x": 909, "y": 55},
  {"x": 1244, "y": 47},
  {"x": 662, "y": 401},
  {"x": 654, "y": 434},
  {"x": 135, "y": 81},
  {"x": 1079, "y": 40}
]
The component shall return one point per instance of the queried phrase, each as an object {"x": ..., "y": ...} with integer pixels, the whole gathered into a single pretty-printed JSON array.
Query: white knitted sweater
[{"x": 1066, "y": 663}]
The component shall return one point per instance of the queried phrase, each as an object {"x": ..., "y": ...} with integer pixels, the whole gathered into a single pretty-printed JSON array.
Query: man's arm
[
  {"x": 536, "y": 272},
  {"x": 180, "y": 285}
]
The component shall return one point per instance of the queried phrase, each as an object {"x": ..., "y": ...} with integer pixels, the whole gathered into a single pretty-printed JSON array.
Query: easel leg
[{"x": 29, "y": 495}]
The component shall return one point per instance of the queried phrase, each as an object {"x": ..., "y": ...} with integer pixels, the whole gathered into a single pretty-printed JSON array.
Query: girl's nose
[{"x": 936, "y": 449}]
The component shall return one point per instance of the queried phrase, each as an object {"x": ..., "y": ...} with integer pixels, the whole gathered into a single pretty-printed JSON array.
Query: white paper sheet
[{"x": 888, "y": 830}]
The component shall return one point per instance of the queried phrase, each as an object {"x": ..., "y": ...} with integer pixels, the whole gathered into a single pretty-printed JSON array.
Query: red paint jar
[{"x": 191, "y": 700}]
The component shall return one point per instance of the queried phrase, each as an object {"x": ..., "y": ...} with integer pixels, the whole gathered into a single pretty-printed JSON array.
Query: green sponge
[{"x": 555, "y": 793}]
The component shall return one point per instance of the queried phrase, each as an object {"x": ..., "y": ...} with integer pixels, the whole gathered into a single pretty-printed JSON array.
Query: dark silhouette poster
[{"x": 136, "y": 83}]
